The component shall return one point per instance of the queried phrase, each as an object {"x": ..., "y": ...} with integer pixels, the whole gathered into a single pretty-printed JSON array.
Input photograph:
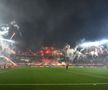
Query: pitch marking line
[{"x": 74, "y": 84}]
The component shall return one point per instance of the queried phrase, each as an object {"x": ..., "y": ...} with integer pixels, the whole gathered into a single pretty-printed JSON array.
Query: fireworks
[
  {"x": 7, "y": 45},
  {"x": 87, "y": 50}
]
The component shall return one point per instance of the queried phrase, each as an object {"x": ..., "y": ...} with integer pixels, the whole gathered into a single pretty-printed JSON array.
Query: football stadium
[
  {"x": 53, "y": 45},
  {"x": 82, "y": 67}
]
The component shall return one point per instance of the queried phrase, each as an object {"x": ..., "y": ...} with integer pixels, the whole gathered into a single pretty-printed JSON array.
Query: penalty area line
[{"x": 70, "y": 84}]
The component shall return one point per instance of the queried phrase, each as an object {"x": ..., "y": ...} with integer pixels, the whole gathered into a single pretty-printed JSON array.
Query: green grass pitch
[{"x": 44, "y": 78}]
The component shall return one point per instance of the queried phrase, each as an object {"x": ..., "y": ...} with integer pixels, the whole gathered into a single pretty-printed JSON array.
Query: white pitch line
[{"x": 71, "y": 84}]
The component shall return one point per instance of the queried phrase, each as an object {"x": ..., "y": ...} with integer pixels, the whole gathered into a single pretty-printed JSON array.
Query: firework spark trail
[{"x": 12, "y": 35}]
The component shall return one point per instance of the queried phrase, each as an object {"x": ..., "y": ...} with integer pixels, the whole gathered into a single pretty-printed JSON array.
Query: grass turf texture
[{"x": 26, "y": 78}]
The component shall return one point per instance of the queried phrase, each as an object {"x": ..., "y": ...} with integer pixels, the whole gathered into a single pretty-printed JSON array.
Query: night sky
[{"x": 56, "y": 22}]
